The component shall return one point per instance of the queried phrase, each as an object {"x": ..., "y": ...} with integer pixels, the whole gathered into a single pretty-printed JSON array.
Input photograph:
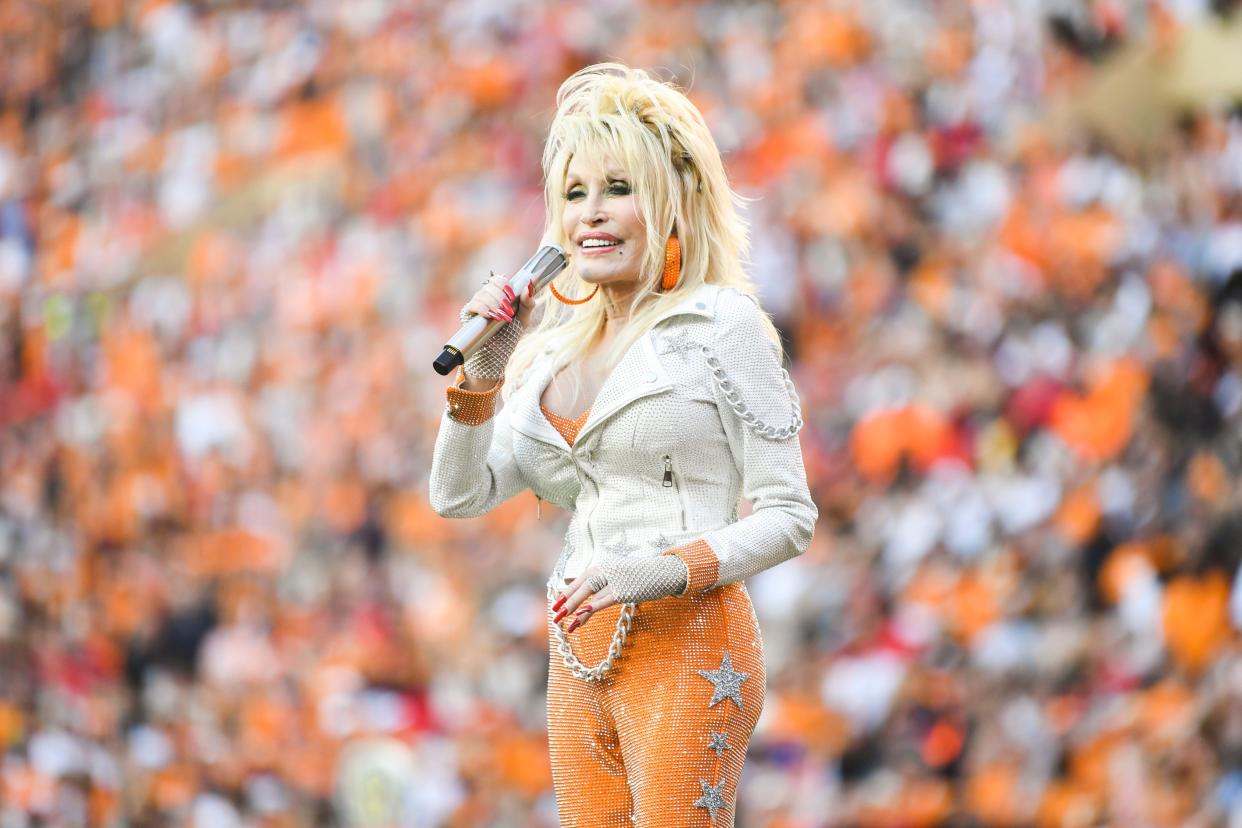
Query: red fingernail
[
  {"x": 530, "y": 288},
  {"x": 560, "y": 615},
  {"x": 585, "y": 608},
  {"x": 509, "y": 292},
  {"x": 508, "y": 306},
  {"x": 574, "y": 625},
  {"x": 559, "y": 601}
]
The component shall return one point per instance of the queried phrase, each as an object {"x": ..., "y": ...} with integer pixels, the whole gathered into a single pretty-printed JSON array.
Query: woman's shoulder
[
  {"x": 719, "y": 304},
  {"x": 737, "y": 314},
  {"x": 717, "y": 316}
]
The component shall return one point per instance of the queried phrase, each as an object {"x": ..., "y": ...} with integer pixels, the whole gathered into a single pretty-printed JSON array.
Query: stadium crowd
[{"x": 234, "y": 234}]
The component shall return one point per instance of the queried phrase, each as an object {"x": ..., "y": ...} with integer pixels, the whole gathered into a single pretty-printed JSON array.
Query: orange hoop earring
[
  {"x": 562, "y": 298},
  {"x": 672, "y": 263}
]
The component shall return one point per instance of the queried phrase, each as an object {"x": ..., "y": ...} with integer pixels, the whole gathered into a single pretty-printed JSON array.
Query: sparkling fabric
[
  {"x": 646, "y": 746},
  {"x": 471, "y": 407},
  {"x": 663, "y": 456},
  {"x": 489, "y": 361},
  {"x": 701, "y": 562},
  {"x": 568, "y": 428},
  {"x": 644, "y": 579},
  {"x": 657, "y": 466}
]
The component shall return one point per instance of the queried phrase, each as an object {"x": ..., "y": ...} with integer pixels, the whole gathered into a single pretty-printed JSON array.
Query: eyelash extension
[{"x": 614, "y": 187}]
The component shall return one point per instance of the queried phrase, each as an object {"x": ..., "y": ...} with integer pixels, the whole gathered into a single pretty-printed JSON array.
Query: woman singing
[{"x": 647, "y": 400}]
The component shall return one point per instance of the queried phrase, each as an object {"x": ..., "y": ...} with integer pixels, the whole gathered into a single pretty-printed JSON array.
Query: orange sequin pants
[{"x": 644, "y": 744}]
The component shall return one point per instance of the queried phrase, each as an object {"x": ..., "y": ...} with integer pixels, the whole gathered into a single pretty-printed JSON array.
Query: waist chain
[{"x": 566, "y": 650}]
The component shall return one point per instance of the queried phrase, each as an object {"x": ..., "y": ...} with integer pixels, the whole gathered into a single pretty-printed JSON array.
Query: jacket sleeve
[
  {"x": 472, "y": 466},
  {"x": 758, "y": 411}
]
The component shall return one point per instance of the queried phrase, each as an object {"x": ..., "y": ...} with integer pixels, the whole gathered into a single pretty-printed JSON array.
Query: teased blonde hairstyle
[{"x": 662, "y": 142}]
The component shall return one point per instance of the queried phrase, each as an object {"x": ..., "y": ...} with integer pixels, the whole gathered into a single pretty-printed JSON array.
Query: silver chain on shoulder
[
  {"x": 614, "y": 649},
  {"x": 734, "y": 399}
]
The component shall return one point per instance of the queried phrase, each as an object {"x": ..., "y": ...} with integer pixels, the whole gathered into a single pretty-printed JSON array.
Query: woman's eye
[
  {"x": 619, "y": 188},
  {"x": 575, "y": 194}
]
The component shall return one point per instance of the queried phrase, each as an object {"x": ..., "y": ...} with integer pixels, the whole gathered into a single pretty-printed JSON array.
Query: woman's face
[{"x": 602, "y": 221}]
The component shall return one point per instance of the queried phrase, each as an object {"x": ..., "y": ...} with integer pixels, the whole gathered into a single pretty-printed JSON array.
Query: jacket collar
[
  {"x": 640, "y": 373},
  {"x": 701, "y": 302}
]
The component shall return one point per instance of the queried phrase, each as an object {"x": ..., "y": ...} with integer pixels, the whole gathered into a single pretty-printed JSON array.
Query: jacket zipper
[{"x": 670, "y": 482}]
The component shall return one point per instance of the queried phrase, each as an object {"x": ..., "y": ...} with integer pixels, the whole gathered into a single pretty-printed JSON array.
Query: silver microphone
[{"x": 539, "y": 269}]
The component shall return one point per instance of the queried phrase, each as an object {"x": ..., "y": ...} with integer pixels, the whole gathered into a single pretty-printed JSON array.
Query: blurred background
[{"x": 1003, "y": 241}]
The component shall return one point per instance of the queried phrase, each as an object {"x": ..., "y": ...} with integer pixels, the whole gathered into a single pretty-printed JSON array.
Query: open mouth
[{"x": 590, "y": 246}]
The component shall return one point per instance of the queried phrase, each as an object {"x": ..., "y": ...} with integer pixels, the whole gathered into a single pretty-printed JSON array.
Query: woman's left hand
[
  {"x": 578, "y": 598},
  {"x": 621, "y": 579}
]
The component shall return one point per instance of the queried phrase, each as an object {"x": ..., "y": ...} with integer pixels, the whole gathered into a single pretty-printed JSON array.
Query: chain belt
[{"x": 589, "y": 674}]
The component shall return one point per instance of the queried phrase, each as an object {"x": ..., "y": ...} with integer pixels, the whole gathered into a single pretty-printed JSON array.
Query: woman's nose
[{"x": 593, "y": 210}]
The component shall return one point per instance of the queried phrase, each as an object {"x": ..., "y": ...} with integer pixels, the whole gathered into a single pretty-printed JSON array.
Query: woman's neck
[{"x": 617, "y": 299}]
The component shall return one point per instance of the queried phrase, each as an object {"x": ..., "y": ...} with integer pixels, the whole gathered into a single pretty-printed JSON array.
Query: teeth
[{"x": 597, "y": 243}]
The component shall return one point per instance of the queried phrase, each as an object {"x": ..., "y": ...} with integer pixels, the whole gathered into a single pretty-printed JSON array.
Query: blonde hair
[{"x": 661, "y": 140}]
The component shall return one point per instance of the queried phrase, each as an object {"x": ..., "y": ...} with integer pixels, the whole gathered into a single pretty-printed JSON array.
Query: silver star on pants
[
  {"x": 712, "y": 798},
  {"x": 728, "y": 682},
  {"x": 720, "y": 742}
]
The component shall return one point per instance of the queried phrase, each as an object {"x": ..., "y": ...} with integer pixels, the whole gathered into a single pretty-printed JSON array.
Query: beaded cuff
[
  {"x": 702, "y": 562},
  {"x": 472, "y": 407}
]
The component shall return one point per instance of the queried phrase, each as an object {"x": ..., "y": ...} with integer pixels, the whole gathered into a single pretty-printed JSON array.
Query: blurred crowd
[{"x": 234, "y": 234}]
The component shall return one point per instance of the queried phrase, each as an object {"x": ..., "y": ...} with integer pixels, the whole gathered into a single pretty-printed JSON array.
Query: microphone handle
[{"x": 541, "y": 268}]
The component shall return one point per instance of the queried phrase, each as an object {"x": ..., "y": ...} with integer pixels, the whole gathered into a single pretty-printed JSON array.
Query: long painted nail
[
  {"x": 573, "y": 626},
  {"x": 509, "y": 292},
  {"x": 560, "y": 601},
  {"x": 560, "y": 615},
  {"x": 585, "y": 608},
  {"x": 530, "y": 288},
  {"x": 507, "y": 305}
]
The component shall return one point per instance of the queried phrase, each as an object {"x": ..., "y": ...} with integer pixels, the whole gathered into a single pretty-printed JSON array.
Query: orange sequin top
[{"x": 567, "y": 427}]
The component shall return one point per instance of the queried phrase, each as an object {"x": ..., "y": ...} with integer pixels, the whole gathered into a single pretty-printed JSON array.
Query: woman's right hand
[{"x": 495, "y": 300}]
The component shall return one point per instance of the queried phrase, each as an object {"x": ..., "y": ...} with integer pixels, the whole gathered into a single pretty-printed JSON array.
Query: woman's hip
[{"x": 688, "y": 631}]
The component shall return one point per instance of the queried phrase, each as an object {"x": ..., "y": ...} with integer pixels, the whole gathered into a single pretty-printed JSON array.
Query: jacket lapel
[
  {"x": 640, "y": 373},
  {"x": 527, "y": 417}
]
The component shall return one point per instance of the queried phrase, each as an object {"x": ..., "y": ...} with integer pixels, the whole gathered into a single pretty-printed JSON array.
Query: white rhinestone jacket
[{"x": 698, "y": 413}]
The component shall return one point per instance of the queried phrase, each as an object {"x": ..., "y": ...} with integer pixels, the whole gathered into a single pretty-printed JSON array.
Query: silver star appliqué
[
  {"x": 621, "y": 547},
  {"x": 713, "y": 797},
  {"x": 662, "y": 543},
  {"x": 728, "y": 682},
  {"x": 681, "y": 344},
  {"x": 720, "y": 742}
]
